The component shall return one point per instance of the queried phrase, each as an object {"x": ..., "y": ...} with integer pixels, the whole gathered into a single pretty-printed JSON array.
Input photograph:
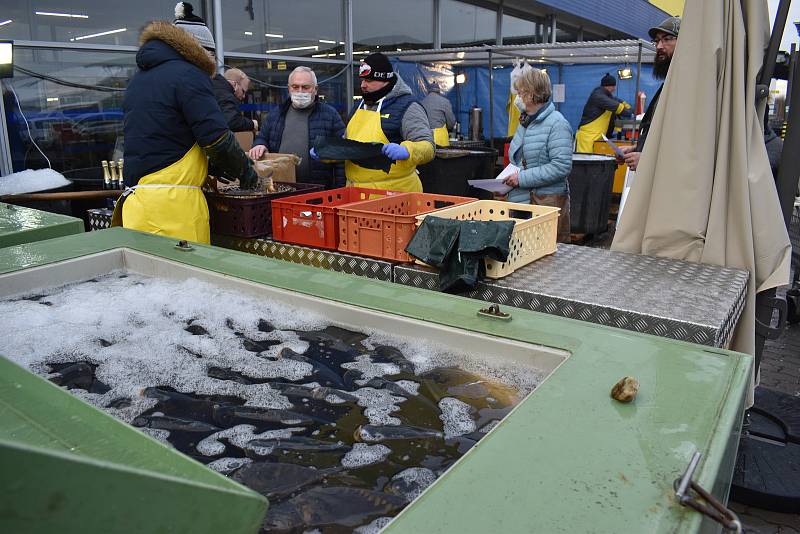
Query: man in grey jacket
[{"x": 440, "y": 114}]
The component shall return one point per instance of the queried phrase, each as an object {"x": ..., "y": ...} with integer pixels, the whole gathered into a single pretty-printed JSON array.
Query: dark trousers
[{"x": 556, "y": 201}]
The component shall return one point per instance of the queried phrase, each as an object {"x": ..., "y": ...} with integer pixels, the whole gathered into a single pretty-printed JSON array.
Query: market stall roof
[{"x": 620, "y": 51}]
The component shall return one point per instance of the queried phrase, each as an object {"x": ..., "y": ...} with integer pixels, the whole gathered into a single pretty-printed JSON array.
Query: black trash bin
[
  {"x": 590, "y": 184},
  {"x": 448, "y": 172}
]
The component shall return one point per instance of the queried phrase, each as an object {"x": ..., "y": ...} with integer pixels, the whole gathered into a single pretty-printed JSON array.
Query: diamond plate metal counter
[
  {"x": 324, "y": 259},
  {"x": 99, "y": 218},
  {"x": 667, "y": 298}
]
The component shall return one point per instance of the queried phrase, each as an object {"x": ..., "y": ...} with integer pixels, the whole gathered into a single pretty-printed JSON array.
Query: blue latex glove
[
  {"x": 313, "y": 154},
  {"x": 395, "y": 152}
]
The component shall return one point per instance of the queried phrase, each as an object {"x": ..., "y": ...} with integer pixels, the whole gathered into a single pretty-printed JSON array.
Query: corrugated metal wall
[{"x": 632, "y": 17}]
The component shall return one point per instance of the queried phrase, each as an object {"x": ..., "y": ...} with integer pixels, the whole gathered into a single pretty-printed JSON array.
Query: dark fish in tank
[
  {"x": 177, "y": 424},
  {"x": 220, "y": 373},
  {"x": 251, "y": 345},
  {"x": 77, "y": 375},
  {"x": 336, "y": 338},
  {"x": 265, "y": 326},
  {"x": 389, "y": 354},
  {"x": 331, "y": 506},
  {"x": 187, "y": 405},
  {"x": 378, "y": 434},
  {"x": 277, "y": 480},
  {"x": 196, "y": 330},
  {"x": 321, "y": 371},
  {"x": 227, "y": 416},
  {"x": 299, "y": 443},
  {"x": 316, "y": 393}
]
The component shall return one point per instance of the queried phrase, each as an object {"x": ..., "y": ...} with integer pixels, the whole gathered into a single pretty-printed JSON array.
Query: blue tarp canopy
[{"x": 578, "y": 66}]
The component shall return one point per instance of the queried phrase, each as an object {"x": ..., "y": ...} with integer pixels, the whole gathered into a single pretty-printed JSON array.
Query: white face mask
[
  {"x": 519, "y": 103},
  {"x": 301, "y": 100}
]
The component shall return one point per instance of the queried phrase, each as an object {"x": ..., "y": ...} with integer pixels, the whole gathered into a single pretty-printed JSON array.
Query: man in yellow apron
[
  {"x": 389, "y": 114},
  {"x": 440, "y": 114},
  {"x": 598, "y": 114},
  {"x": 173, "y": 129}
]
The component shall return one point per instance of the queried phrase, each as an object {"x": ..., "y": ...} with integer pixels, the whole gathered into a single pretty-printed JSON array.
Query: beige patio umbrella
[{"x": 703, "y": 190}]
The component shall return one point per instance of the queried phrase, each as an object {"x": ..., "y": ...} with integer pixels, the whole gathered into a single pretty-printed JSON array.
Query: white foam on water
[
  {"x": 426, "y": 355},
  {"x": 419, "y": 478},
  {"x": 241, "y": 436},
  {"x": 362, "y": 454},
  {"x": 226, "y": 466},
  {"x": 30, "y": 181},
  {"x": 369, "y": 369},
  {"x": 379, "y": 404},
  {"x": 374, "y": 527},
  {"x": 456, "y": 417},
  {"x": 489, "y": 427}
]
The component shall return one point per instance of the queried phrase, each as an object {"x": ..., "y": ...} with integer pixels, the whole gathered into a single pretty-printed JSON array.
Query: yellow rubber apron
[
  {"x": 365, "y": 126},
  {"x": 441, "y": 137},
  {"x": 169, "y": 202},
  {"x": 591, "y": 132}
]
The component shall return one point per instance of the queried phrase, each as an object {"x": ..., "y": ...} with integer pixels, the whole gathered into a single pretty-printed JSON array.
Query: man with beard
[
  {"x": 389, "y": 114},
  {"x": 665, "y": 38}
]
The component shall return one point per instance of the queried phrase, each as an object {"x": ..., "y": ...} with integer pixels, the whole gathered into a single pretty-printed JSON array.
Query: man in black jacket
[
  {"x": 229, "y": 90},
  {"x": 665, "y": 39}
]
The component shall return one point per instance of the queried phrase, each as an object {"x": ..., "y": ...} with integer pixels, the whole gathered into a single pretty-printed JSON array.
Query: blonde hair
[
  {"x": 535, "y": 82},
  {"x": 235, "y": 75}
]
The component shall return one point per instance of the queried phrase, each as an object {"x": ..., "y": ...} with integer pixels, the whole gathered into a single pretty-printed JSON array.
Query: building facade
[{"x": 73, "y": 59}]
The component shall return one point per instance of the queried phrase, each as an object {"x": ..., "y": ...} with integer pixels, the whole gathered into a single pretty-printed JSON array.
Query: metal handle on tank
[{"x": 711, "y": 507}]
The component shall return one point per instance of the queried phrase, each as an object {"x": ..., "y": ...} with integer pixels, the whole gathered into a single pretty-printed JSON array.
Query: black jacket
[
  {"x": 324, "y": 121},
  {"x": 169, "y": 104},
  {"x": 598, "y": 103},
  {"x": 229, "y": 104}
]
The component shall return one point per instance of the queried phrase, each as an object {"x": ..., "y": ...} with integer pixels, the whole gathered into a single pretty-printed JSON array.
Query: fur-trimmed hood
[{"x": 179, "y": 45}]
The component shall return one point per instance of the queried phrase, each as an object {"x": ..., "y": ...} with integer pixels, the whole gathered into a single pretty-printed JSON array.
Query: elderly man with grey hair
[{"x": 294, "y": 125}]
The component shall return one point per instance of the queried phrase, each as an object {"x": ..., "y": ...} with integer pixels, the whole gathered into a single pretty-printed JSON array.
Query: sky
[{"x": 790, "y": 32}]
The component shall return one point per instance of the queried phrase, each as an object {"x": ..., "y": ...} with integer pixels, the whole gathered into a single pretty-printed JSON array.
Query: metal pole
[
  {"x": 491, "y": 101},
  {"x": 347, "y": 15},
  {"x": 553, "y": 28},
  {"x": 6, "y": 166},
  {"x": 774, "y": 43},
  {"x": 437, "y": 24},
  {"x": 498, "y": 27},
  {"x": 792, "y": 67},
  {"x": 220, "y": 51},
  {"x": 789, "y": 169},
  {"x": 636, "y": 94}
]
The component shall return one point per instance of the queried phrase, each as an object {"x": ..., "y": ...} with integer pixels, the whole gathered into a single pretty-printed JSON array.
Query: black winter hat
[
  {"x": 608, "y": 81},
  {"x": 376, "y": 67},
  {"x": 185, "y": 11}
]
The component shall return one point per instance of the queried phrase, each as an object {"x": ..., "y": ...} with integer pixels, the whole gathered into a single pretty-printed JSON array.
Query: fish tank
[{"x": 354, "y": 405}]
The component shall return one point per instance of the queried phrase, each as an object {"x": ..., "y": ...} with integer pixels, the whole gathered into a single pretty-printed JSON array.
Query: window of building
[
  {"x": 518, "y": 31},
  {"x": 389, "y": 25},
  {"x": 75, "y": 127},
  {"x": 270, "y": 78},
  {"x": 467, "y": 25},
  {"x": 87, "y": 22},
  {"x": 304, "y": 28}
]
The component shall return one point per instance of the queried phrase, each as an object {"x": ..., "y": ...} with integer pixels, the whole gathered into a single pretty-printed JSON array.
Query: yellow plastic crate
[{"x": 531, "y": 239}]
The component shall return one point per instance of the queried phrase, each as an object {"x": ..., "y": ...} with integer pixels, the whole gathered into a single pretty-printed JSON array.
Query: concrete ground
[{"x": 780, "y": 371}]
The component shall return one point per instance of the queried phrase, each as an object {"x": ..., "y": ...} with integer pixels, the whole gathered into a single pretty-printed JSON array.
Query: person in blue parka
[{"x": 542, "y": 149}]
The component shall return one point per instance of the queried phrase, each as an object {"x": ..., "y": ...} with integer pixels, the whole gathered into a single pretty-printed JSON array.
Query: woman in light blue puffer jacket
[{"x": 542, "y": 149}]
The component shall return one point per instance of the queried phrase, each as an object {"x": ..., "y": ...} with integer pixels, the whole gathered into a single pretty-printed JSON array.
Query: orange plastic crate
[
  {"x": 310, "y": 219},
  {"x": 382, "y": 228}
]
